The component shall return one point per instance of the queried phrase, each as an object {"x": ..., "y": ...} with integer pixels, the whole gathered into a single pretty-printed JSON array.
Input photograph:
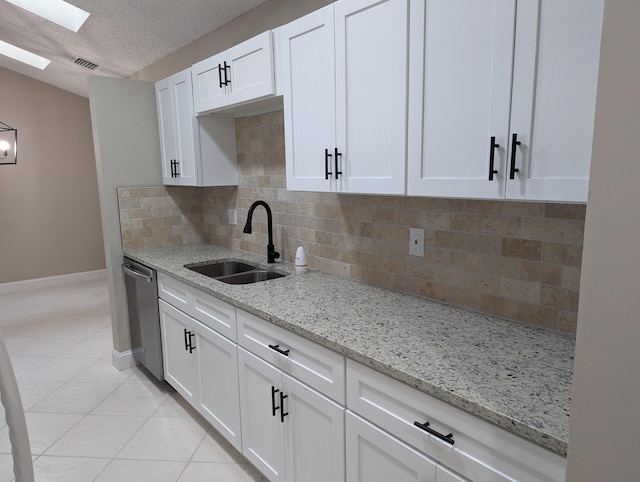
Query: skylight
[
  {"x": 57, "y": 11},
  {"x": 23, "y": 56}
]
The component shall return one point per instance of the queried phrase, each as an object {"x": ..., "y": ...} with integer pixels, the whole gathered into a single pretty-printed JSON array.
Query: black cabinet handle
[
  {"x": 227, "y": 79},
  {"x": 191, "y": 345},
  {"x": 425, "y": 427},
  {"x": 274, "y": 390},
  {"x": 186, "y": 339},
  {"x": 492, "y": 150},
  {"x": 171, "y": 164},
  {"x": 514, "y": 144},
  {"x": 335, "y": 159},
  {"x": 327, "y": 173},
  {"x": 175, "y": 164},
  {"x": 188, "y": 345},
  {"x": 279, "y": 350},
  {"x": 222, "y": 84},
  {"x": 282, "y": 412}
]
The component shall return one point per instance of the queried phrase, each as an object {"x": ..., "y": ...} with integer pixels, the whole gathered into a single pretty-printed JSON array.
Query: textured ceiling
[{"x": 121, "y": 36}]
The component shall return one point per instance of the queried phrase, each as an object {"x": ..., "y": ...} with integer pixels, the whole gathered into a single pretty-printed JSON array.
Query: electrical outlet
[
  {"x": 416, "y": 241},
  {"x": 233, "y": 216}
]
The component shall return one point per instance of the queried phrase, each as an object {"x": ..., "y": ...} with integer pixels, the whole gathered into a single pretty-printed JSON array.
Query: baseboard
[
  {"x": 122, "y": 360},
  {"x": 64, "y": 279}
]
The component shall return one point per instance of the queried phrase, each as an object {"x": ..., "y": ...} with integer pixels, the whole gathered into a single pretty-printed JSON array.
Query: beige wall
[
  {"x": 604, "y": 440},
  {"x": 49, "y": 208}
]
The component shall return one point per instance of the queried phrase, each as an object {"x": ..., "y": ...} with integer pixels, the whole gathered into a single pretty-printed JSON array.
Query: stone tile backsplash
[{"x": 516, "y": 260}]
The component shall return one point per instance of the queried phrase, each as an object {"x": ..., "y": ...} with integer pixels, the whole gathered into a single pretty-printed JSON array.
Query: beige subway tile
[
  {"x": 485, "y": 207},
  {"x": 497, "y": 305},
  {"x": 568, "y": 322},
  {"x": 458, "y": 296},
  {"x": 437, "y": 256},
  {"x": 469, "y": 223},
  {"x": 501, "y": 266},
  {"x": 503, "y": 226},
  {"x": 538, "y": 315},
  {"x": 483, "y": 243},
  {"x": 465, "y": 260},
  {"x": 566, "y": 211},
  {"x": 559, "y": 298},
  {"x": 128, "y": 203},
  {"x": 571, "y": 277},
  {"x": 523, "y": 209},
  {"x": 527, "y": 291},
  {"x": 450, "y": 240},
  {"x": 521, "y": 248},
  {"x": 544, "y": 229},
  {"x": 437, "y": 221},
  {"x": 435, "y": 291},
  {"x": 418, "y": 270},
  {"x": 549, "y": 274},
  {"x": 575, "y": 232}
]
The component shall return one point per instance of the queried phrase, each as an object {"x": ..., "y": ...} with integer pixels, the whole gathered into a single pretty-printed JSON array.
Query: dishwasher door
[{"x": 144, "y": 319}]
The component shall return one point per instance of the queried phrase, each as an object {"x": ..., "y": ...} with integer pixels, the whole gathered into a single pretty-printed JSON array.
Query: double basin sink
[{"x": 235, "y": 272}]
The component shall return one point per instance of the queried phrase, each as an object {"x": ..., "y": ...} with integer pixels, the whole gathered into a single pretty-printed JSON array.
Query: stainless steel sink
[
  {"x": 235, "y": 272},
  {"x": 222, "y": 268},
  {"x": 250, "y": 277}
]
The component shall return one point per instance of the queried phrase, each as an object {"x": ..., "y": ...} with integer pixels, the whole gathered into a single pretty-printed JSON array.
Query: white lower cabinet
[
  {"x": 375, "y": 456},
  {"x": 457, "y": 441},
  {"x": 202, "y": 366},
  {"x": 289, "y": 431}
]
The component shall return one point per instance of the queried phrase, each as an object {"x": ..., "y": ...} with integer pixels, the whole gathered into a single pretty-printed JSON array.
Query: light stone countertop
[{"x": 517, "y": 376}]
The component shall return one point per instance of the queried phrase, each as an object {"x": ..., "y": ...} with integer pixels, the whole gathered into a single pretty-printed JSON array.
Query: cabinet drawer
[
  {"x": 175, "y": 292},
  {"x": 312, "y": 364},
  {"x": 481, "y": 451},
  {"x": 214, "y": 313}
]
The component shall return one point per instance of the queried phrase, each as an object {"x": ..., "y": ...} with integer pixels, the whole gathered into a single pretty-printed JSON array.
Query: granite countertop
[{"x": 516, "y": 376}]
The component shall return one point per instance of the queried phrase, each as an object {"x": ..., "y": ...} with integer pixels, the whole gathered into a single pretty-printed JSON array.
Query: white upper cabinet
[
  {"x": 240, "y": 74},
  {"x": 177, "y": 129},
  {"x": 345, "y": 87},
  {"x": 195, "y": 152},
  {"x": 555, "y": 80},
  {"x": 502, "y": 100}
]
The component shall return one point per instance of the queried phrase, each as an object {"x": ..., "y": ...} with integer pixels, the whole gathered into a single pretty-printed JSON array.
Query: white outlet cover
[
  {"x": 233, "y": 216},
  {"x": 416, "y": 241}
]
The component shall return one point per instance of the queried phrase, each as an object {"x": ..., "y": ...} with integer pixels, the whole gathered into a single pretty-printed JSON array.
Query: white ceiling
[{"x": 121, "y": 36}]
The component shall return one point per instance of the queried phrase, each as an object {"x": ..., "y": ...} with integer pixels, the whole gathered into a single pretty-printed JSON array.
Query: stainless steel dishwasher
[{"x": 144, "y": 319}]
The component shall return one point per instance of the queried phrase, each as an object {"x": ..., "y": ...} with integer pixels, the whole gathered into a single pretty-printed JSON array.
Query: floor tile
[
  {"x": 47, "y": 347},
  {"x": 90, "y": 347},
  {"x": 59, "y": 368},
  {"x": 6, "y": 468},
  {"x": 97, "y": 436},
  {"x": 33, "y": 392},
  {"x": 104, "y": 371},
  {"x": 176, "y": 406},
  {"x": 200, "y": 471},
  {"x": 76, "y": 397},
  {"x": 133, "y": 399},
  {"x": 142, "y": 470},
  {"x": 165, "y": 438},
  {"x": 44, "y": 430},
  {"x": 67, "y": 469},
  {"x": 215, "y": 448},
  {"x": 22, "y": 365}
]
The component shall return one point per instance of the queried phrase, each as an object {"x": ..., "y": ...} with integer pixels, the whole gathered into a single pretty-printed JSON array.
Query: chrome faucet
[{"x": 272, "y": 254}]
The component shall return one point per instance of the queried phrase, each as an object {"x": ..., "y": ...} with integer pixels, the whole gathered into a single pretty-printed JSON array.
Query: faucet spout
[{"x": 272, "y": 254}]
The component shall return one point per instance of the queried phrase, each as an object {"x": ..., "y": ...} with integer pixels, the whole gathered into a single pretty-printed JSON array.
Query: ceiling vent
[{"x": 85, "y": 63}]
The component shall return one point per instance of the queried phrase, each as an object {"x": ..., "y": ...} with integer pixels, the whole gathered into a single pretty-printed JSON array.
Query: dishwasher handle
[{"x": 131, "y": 270}]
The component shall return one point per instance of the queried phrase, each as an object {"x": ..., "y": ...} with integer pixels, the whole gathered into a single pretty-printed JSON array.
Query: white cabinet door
[
  {"x": 371, "y": 42},
  {"x": 459, "y": 99},
  {"x": 209, "y": 83},
  {"x": 177, "y": 346},
  {"x": 166, "y": 125},
  {"x": 314, "y": 438},
  {"x": 445, "y": 475},
  {"x": 261, "y": 401},
  {"x": 555, "y": 78},
  {"x": 176, "y": 121},
  {"x": 308, "y": 83},
  {"x": 375, "y": 456},
  {"x": 237, "y": 75},
  {"x": 251, "y": 75},
  {"x": 217, "y": 368}
]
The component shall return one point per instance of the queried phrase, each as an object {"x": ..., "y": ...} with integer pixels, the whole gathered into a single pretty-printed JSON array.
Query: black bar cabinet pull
[
  {"x": 175, "y": 165},
  {"x": 274, "y": 390},
  {"x": 335, "y": 159},
  {"x": 492, "y": 150},
  {"x": 222, "y": 84},
  {"x": 227, "y": 79},
  {"x": 191, "y": 345},
  {"x": 186, "y": 339},
  {"x": 514, "y": 144},
  {"x": 282, "y": 412},
  {"x": 327, "y": 173},
  {"x": 425, "y": 427},
  {"x": 279, "y": 350}
]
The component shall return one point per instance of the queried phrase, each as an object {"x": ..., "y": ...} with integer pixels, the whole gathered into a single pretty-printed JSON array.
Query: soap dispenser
[{"x": 301, "y": 260}]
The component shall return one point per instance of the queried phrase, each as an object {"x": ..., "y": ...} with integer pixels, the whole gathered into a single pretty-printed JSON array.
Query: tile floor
[{"x": 88, "y": 421}]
